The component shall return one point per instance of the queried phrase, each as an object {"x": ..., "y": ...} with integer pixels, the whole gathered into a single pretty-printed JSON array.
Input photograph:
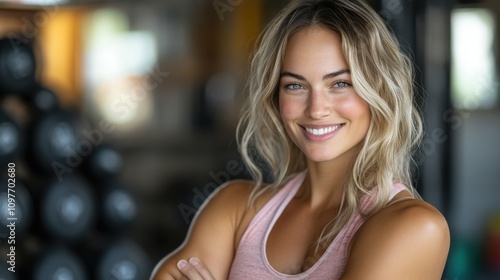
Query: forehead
[{"x": 314, "y": 47}]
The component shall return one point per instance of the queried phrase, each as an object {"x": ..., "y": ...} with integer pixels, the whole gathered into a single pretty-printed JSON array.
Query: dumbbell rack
[{"x": 72, "y": 212}]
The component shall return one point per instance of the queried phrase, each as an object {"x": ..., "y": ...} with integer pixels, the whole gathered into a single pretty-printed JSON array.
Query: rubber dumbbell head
[
  {"x": 54, "y": 140},
  {"x": 59, "y": 264},
  {"x": 17, "y": 66},
  {"x": 104, "y": 163},
  {"x": 118, "y": 208},
  {"x": 123, "y": 260},
  {"x": 68, "y": 209},
  {"x": 19, "y": 207},
  {"x": 11, "y": 139},
  {"x": 42, "y": 100}
]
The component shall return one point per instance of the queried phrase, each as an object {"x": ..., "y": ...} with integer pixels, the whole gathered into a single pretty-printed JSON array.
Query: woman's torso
[{"x": 286, "y": 246}]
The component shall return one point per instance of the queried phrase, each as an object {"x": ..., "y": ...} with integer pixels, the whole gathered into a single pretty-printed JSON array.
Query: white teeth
[{"x": 322, "y": 131}]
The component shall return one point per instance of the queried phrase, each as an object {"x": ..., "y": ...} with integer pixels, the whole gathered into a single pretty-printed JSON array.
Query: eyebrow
[{"x": 326, "y": 77}]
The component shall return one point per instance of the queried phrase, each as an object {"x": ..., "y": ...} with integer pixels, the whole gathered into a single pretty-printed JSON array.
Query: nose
[{"x": 319, "y": 106}]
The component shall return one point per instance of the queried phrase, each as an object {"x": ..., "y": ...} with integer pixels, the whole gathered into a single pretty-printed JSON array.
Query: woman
[{"x": 330, "y": 111}]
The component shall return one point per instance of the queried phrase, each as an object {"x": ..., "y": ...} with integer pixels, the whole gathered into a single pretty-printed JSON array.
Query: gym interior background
[{"x": 119, "y": 117}]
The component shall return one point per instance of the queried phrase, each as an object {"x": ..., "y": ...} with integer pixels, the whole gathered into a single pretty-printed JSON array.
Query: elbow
[
  {"x": 161, "y": 276},
  {"x": 165, "y": 270},
  {"x": 165, "y": 274}
]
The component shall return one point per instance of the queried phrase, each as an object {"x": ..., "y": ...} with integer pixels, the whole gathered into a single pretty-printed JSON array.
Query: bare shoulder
[
  {"x": 233, "y": 199},
  {"x": 244, "y": 210},
  {"x": 412, "y": 214},
  {"x": 238, "y": 191},
  {"x": 406, "y": 240}
]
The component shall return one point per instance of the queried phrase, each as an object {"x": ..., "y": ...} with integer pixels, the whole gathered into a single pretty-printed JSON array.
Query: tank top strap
[
  {"x": 272, "y": 209},
  {"x": 397, "y": 188},
  {"x": 288, "y": 192}
]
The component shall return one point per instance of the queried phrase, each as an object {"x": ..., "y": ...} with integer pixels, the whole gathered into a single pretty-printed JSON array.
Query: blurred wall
[{"x": 477, "y": 165}]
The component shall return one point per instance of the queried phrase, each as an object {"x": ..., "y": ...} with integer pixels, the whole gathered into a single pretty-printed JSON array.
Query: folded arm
[{"x": 211, "y": 235}]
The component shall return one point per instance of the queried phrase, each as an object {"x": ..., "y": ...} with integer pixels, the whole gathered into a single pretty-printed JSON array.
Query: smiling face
[{"x": 321, "y": 111}]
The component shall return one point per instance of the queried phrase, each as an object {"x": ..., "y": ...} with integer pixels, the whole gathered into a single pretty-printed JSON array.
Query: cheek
[
  {"x": 354, "y": 107},
  {"x": 289, "y": 109}
]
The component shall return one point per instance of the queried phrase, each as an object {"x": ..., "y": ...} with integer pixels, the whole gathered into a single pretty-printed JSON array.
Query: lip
[{"x": 323, "y": 137}]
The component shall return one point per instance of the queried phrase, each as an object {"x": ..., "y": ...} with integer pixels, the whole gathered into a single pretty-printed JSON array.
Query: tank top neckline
[
  {"x": 256, "y": 256},
  {"x": 293, "y": 189}
]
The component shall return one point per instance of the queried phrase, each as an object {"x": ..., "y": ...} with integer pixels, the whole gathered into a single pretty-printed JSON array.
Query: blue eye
[
  {"x": 293, "y": 87},
  {"x": 341, "y": 85}
]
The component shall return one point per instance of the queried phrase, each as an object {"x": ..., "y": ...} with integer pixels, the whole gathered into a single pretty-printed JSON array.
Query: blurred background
[{"x": 117, "y": 120}]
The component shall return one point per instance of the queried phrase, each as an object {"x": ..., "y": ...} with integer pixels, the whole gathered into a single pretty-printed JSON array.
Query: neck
[{"x": 324, "y": 183}]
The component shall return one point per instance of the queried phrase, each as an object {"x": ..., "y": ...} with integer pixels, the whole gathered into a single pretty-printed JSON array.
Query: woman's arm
[
  {"x": 407, "y": 240},
  {"x": 211, "y": 235}
]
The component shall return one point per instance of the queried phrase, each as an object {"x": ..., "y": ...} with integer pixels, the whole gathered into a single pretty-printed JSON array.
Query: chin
[
  {"x": 327, "y": 154},
  {"x": 321, "y": 156}
]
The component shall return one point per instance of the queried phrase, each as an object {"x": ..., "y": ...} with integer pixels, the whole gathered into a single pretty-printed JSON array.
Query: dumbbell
[
  {"x": 21, "y": 207},
  {"x": 17, "y": 66},
  {"x": 117, "y": 207},
  {"x": 54, "y": 143},
  {"x": 122, "y": 260},
  {"x": 42, "y": 100},
  {"x": 11, "y": 139},
  {"x": 59, "y": 263},
  {"x": 67, "y": 209},
  {"x": 103, "y": 164}
]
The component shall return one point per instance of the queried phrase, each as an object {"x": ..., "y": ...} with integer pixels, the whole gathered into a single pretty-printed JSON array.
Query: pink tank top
[{"x": 251, "y": 262}]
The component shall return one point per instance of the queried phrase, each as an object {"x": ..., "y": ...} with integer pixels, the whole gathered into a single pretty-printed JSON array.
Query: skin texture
[{"x": 408, "y": 239}]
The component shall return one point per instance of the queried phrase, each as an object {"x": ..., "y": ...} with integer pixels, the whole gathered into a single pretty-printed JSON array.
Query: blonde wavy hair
[{"x": 381, "y": 74}]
